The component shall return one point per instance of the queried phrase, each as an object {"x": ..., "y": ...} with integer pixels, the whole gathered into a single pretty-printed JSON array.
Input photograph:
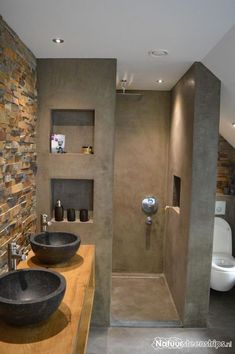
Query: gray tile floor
[
  {"x": 126, "y": 340},
  {"x": 120, "y": 340},
  {"x": 222, "y": 310}
]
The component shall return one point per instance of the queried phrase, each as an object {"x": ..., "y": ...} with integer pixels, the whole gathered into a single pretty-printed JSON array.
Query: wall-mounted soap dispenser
[{"x": 59, "y": 211}]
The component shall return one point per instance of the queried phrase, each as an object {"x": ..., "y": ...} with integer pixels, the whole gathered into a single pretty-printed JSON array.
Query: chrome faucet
[
  {"x": 44, "y": 222},
  {"x": 148, "y": 220},
  {"x": 15, "y": 253}
]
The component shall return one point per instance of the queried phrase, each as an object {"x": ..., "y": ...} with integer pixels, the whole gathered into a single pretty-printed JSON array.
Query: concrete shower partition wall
[
  {"x": 192, "y": 157},
  {"x": 81, "y": 84},
  {"x": 140, "y": 169}
]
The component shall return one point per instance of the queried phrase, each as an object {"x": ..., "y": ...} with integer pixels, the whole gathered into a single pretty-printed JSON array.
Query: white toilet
[{"x": 223, "y": 263}]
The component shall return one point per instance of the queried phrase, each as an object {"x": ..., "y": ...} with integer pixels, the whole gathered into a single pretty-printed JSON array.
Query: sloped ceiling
[{"x": 221, "y": 61}]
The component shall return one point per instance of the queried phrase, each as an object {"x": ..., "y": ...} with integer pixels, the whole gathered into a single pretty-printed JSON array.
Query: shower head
[
  {"x": 123, "y": 92},
  {"x": 129, "y": 93}
]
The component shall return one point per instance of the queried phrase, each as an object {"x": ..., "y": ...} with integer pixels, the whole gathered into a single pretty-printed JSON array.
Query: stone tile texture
[
  {"x": 18, "y": 105},
  {"x": 225, "y": 166}
]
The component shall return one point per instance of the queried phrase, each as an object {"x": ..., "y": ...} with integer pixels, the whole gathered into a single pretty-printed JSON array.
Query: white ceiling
[
  {"x": 126, "y": 30},
  {"x": 191, "y": 30}
]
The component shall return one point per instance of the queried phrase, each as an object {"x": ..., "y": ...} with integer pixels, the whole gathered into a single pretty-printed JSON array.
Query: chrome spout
[
  {"x": 148, "y": 220},
  {"x": 45, "y": 222},
  {"x": 15, "y": 253}
]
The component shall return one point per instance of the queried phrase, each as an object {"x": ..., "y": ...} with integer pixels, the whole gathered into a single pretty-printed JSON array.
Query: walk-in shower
[{"x": 140, "y": 294}]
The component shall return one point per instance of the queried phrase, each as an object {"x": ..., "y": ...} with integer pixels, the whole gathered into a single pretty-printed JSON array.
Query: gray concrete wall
[
  {"x": 193, "y": 158},
  {"x": 81, "y": 84},
  {"x": 142, "y": 134}
]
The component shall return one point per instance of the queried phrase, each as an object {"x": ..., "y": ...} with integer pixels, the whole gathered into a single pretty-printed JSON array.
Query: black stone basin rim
[
  {"x": 61, "y": 287},
  {"x": 32, "y": 239}
]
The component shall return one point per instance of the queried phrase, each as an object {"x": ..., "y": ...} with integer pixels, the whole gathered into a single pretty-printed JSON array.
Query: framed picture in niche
[{"x": 57, "y": 143}]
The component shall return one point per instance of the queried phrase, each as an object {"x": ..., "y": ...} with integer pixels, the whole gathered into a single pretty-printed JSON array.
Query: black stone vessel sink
[
  {"x": 54, "y": 247},
  {"x": 29, "y": 296}
]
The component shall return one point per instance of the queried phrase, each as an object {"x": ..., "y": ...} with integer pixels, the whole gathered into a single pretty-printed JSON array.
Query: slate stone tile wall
[
  {"x": 225, "y": 167},
  {"x": 18, "y": 104}
]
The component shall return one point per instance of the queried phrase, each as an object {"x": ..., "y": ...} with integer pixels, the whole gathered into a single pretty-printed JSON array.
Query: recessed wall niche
[
  {"x": 76, "y": 125},
  {"x": 176, "y": 191},
  {"x": 73, "y": 193}
]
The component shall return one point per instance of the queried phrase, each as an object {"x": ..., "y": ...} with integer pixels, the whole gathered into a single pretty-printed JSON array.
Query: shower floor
[{"x": 142, "y": 300}]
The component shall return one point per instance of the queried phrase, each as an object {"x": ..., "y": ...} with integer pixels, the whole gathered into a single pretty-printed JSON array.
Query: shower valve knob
[{"x": 150, "y": 205}]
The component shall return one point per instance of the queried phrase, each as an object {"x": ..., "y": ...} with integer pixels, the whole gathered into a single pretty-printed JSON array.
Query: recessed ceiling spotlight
[
  {"x": 233, "y": 124},
  {"x": 58, "y": 40},
  {"x": 160, "y": 81},
  {"x": 158, "y": 52}
]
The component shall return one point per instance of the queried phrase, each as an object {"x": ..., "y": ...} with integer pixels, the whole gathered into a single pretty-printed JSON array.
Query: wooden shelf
[
  {"x": 66, "y": 331},
  {"x": 70, "y": 154}
]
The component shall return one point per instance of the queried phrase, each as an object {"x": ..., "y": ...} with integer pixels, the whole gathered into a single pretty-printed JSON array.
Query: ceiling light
[
  {"x": 158, "y": 52},
  {"x": 233, "y": 124},
  {"x": 160, "y": 81},
  {"x": 58, "y": 40}
]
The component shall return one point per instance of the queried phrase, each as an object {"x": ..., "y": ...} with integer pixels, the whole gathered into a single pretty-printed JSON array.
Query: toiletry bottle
[{"x": 59, "y": 211}]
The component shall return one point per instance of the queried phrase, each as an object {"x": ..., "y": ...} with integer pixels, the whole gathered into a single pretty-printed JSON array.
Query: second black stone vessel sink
[
  {"x": 29, "y": 296},
  {"x": 54, "y": 247}
]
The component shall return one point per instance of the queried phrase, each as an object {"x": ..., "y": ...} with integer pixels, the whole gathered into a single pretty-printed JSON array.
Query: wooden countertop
[{"x": 66, "y": 331}]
